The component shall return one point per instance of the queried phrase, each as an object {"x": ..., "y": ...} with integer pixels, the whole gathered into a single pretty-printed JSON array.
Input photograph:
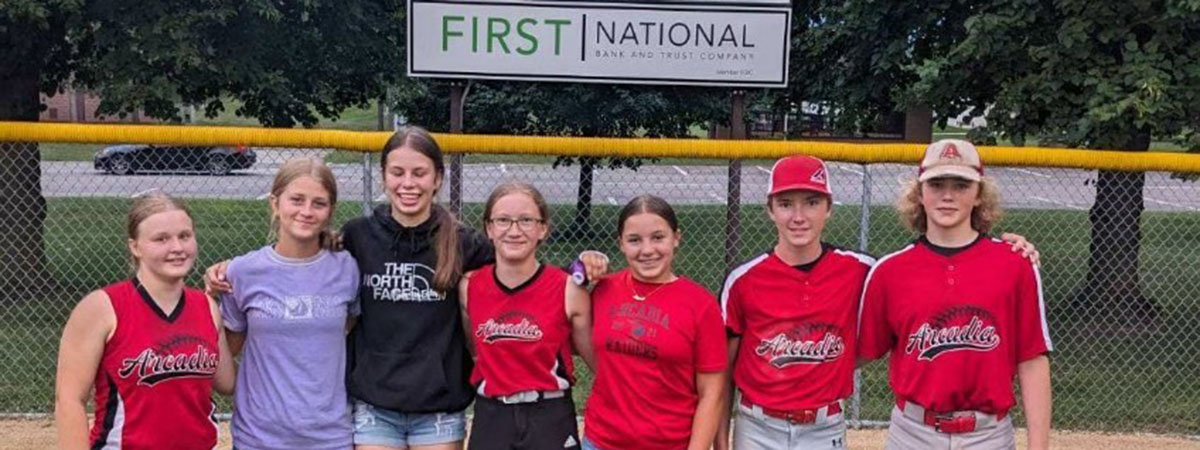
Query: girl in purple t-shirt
[{"x": 289, "y": 310}]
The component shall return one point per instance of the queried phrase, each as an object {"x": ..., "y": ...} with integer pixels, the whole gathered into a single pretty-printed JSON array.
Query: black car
[{"x": 129, "y": 159}]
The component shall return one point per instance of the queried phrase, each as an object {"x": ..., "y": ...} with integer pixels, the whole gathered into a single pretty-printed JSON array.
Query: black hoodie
[{"x": 408, "y": 352}]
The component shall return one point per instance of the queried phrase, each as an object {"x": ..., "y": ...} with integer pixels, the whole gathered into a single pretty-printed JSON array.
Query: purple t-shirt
[{"x": 291, "y": 389}]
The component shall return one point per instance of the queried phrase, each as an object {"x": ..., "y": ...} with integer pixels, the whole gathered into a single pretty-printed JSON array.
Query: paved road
[{"x": 1021, "y": 187}]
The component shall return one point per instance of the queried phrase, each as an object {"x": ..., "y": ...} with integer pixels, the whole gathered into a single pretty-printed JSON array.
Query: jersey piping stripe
[
  {"x": 560, "y": 374},
  {"x": 863, "y": 297},
  {"x": 1037, "y": 276},
  {"x": 733, "y": 277},
  {"x": 111, "y": 405},
  {"x": 865, "y": 259},
  {"x": 116, "y": 437},
  {"x": 212, "y": 417}
]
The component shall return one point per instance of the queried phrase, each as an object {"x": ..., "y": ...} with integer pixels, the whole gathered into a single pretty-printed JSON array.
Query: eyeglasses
[{"x": 524, "y": 223}]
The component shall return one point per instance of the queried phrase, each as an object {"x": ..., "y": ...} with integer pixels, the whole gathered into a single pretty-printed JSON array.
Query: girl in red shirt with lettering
[
  {"x": 659, "y": 342},
  {"x": 521, "y": 318},
  {"x": 147, "y": 345},
  {"x": 961, "y": 315}
]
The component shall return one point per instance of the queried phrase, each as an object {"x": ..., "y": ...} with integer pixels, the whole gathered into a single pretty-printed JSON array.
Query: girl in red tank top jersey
[
  {"x": 660, "y": 344},
  {"x": 521, "y": 318},
  {"x": 149, "y": 346}
]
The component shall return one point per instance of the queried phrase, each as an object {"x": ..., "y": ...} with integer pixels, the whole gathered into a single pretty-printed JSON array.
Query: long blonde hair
[
  {"x": 145, "y": 206},
  {"x": 983, "y": 217},
  {"x": 299, "y": 167}
]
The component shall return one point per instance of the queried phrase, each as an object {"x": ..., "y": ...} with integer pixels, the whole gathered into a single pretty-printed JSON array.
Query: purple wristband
[{"x": 578, "y": 273}]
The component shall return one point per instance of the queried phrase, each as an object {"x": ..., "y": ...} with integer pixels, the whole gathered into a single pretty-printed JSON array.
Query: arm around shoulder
[
  {"x": 579, "y": 313},
  {"x": 226, "y": 376}
]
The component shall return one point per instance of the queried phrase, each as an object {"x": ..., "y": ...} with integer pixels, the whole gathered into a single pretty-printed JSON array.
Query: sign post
[
  {"x": 457, "y": 98},
  {"x": 733, "y": 199}
]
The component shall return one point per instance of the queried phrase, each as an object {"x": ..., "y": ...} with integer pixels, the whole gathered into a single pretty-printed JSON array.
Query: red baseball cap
[{"x": 799, "y": 172}]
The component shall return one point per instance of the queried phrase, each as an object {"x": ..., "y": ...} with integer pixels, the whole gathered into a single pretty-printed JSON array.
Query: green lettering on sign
[
  {"x": 495, "y": 35},
  {"x": 558, "y": 23},
  {"x": 533, "y": 43},
  {"x": 446, "y": 33}
]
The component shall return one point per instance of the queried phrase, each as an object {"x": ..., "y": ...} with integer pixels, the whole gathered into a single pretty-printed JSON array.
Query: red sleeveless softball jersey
[
  {"x": 154, "y": 383},
  {"x": 522, "y": 336}
]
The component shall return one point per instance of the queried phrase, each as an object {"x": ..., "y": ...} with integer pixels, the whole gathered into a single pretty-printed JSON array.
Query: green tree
[
  {"x": 287, "y": 63},
  {"x": 32, "y": 43},
  {"x": 563, "y": 109},
  {"x": 850, "y": 57},
  {"x": 1078, "y": 73}
]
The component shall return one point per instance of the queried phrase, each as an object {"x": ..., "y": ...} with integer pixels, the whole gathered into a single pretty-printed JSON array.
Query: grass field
[{"x": 1104, "y": 379}]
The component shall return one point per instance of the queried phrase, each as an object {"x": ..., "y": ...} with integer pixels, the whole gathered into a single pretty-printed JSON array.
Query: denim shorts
[
  {"x": 380, "y": 426},
  {"x": 588, "y": 445}
]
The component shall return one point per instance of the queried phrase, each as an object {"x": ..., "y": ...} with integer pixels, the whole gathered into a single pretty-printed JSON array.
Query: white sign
[{"x": 709, "y": 44}]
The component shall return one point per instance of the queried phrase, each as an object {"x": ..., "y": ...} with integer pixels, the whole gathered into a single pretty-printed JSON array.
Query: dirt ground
[{"x": 39, "y": 435}]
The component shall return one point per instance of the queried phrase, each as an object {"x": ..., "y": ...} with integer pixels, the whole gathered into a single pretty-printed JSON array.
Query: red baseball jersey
[
  {"x": 648, "y": 353},
  {"x": 797, "y": 328},
  {"x": 522, "y": 335},
  {"x": 154, "y": 384},
  {"x": 956, "y": 326}
]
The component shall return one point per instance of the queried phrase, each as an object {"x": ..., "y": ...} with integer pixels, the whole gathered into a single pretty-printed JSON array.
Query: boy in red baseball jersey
[
  {"x": 960, "y": 314},
  {"x": 790, "y": 316}
]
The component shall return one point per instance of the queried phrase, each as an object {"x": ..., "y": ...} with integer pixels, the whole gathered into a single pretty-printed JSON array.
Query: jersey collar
[
  {"x": 807, "y": 267},
  {"x": 524, "y": 284},
  {"x": 145, "y": 295},
  {"x": 950, "y": 252}
]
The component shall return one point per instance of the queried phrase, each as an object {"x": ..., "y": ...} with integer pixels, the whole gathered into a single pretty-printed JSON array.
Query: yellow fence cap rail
[{"x": 372, "y": 141}]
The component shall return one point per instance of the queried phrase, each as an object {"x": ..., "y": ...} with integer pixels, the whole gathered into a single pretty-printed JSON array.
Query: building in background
[{"x": 70, "y": 105}]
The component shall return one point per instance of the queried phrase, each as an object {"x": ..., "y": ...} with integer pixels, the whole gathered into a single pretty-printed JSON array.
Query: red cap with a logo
[{"x": 799, "y": 172}]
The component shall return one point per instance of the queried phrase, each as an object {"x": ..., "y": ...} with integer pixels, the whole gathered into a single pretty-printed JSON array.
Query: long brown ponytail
[{"x": 445, "y": 246}]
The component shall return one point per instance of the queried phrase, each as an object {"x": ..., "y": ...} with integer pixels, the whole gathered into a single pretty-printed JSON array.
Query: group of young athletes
[{"x": 384, "y": 345}]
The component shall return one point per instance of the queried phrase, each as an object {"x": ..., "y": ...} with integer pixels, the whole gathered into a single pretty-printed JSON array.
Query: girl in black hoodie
[{"x": 409, "y": 362}]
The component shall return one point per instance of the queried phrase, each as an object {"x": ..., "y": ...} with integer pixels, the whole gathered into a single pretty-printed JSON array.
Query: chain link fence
[{"x": 1126, "y": 327}]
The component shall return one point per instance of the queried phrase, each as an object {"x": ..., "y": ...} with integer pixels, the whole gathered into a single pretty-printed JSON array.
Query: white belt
[{"x": 530, "y": 396}]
